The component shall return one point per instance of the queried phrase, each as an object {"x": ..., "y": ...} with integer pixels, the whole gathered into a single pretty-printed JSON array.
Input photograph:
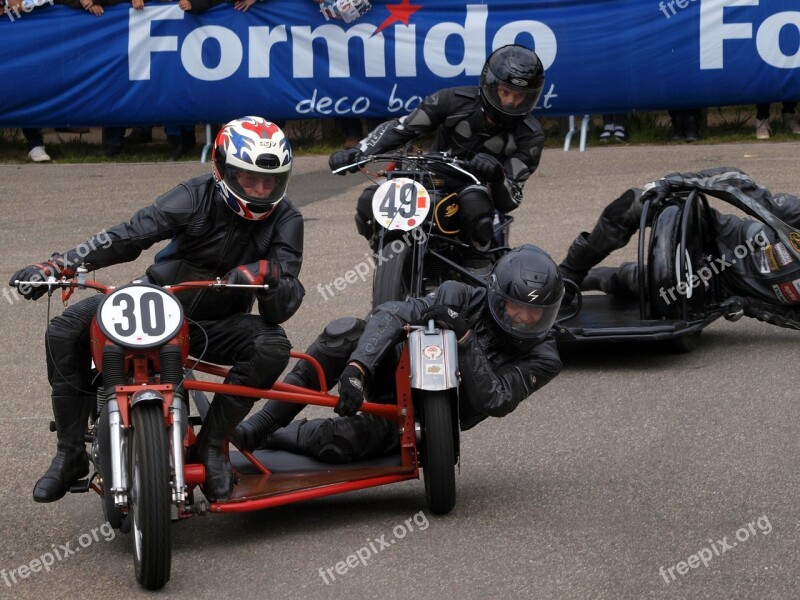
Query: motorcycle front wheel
[
  {"x": 150, "y": 495},
  {"x": 438, "y": 452},
  {"x": 389, "y": 282}
]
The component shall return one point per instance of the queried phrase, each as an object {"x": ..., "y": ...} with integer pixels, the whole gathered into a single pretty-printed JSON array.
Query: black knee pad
[
  {"x": 331, "y": 349},
  {"x": 364, "y": 221},
  {"x": 622, "y": 204}
]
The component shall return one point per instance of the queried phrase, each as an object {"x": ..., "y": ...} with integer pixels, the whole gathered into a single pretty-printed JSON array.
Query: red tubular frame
[{"x": 262, "y": 496}]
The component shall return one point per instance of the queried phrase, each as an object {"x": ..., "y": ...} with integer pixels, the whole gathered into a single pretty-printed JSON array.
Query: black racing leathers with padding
[
  {"x": 457, "y": 116},
  {"x": 207, "y": 240},
  {"x": 494, "y": 380}
]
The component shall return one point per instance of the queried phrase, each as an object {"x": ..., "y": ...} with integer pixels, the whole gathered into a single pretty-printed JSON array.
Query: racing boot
[
  {"x": 71, "y": 462},
  {"x": 331, "y": 349},
  {"x": 338, "y": 440},
  {"x": 581, "y": 257},
  {"x": 621, "y": 281},
  {"x": 223, "y": 415}
]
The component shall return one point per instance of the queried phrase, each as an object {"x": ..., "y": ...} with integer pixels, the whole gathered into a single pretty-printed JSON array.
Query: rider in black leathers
[
  {"x": 503, "y": 357},
  {"x": 217, "y": 230},
  {"x": 763, "y": 284},
  {"x": 489, "y": 125}
]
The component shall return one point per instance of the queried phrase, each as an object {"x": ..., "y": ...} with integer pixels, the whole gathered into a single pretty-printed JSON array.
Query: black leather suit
[
  {"x": 208, "y": 240},
  {"x": 766, "y": 270},
  {"x": 494, "y": 379},
  {"x": 457, "y": 117}
]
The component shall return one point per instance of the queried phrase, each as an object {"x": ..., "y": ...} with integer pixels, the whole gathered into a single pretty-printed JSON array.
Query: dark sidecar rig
[{"x": 676, "y": 242}]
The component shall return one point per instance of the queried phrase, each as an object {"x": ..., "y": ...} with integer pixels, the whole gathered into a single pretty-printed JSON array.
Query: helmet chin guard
[
  {"x": 525, "y": 293},
  {"x": 252, "y": 162}
]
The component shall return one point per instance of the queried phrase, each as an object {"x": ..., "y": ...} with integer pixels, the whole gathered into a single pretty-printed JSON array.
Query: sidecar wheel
[
  {"x": 113, "y": 514},
  {"x": 150, "y": 496},
  {"x": 389, "y": 281},
  {"x": 438, "y": 452}
]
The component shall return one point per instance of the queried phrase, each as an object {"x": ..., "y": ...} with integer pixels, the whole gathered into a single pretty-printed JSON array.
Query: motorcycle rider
[
  {"x": 490, "y": 126},
  {"x": 764, "y": 284},
  {"x": 506, "y": 351},
  {"x": 235, "y": 223}
]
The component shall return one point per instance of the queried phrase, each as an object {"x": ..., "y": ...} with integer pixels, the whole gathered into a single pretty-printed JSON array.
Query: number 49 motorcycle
[
  {"x": 141, "y": 429},
  {"x": 416, "y": 225}
]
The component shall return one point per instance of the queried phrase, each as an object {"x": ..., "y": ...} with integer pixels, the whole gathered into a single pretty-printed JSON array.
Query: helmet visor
[
  {"x": 260, "y": 189},
  {"x": 508, "y": 98},
  {"x": 522, "y": 320}
]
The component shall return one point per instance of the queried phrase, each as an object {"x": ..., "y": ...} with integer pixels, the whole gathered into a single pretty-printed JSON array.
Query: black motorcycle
[{"x": 415, "y": 229}]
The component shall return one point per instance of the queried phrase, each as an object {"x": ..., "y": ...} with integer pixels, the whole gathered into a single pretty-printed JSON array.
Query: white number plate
[
  {"x": 401, "y": 203},
  {"x": 140, "y": 315}
]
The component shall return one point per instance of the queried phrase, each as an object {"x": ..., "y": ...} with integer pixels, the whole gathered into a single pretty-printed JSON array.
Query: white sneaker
[
  {"x": 38, "y": 154},
  {"x": 762, "y": 129}
]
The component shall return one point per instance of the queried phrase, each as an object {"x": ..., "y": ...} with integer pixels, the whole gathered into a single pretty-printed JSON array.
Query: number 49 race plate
[{"x": 401, "y": 203}]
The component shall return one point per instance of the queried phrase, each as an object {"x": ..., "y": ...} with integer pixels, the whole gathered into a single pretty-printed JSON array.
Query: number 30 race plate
[
  {"x": 400, "y": 203},
  {"x": 140, "y": 315}
]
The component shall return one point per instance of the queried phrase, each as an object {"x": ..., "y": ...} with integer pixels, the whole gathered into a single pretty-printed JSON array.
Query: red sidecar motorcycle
[{"x": 140, "y": 432}]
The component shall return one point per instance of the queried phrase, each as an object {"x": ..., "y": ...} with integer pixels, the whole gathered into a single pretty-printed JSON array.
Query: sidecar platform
[
  {"x": 293, "y": 477},
  {"x": 605, "y": 318}
]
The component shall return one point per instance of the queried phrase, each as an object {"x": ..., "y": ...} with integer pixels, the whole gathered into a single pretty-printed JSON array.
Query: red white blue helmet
[{"x": 254, "y": 152}]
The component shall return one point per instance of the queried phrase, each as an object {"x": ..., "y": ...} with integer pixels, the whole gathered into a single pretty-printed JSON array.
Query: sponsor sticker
[
  {"x": 431, "y": 352},
  {"x": 782, "y": 255},
  {"x": 770, "y": 256},
  {"x": 789, "y": 292},
  {"x": 763, "y": 263},
  {"x": 794, "y": 237},
  {"x": 779, "y": 295},
  {"x": 433, "y": 369}
]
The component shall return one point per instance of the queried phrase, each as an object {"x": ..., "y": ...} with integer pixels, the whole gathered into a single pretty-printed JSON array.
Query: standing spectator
[
  {"x": 36, "y": 151},
  {"x": 614, "y": 127},
  {"x": 686, "y": 124},
  {"x": 763, "y": 129}
]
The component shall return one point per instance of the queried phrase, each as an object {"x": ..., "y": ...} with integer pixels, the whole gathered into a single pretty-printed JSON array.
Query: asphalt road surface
[{"x": 636, "y": 473}]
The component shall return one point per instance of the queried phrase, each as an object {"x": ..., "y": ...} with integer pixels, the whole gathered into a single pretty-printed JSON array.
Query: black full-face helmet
[
  {"x": 511, "y": 83},
  {"x": 525, "y": 292}
]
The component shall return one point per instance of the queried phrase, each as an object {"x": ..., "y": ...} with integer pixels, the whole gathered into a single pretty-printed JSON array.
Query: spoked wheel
[
  {"x": 438, "y": 452},
  {"x": 150, "y": 495},
  {"x": 389, "y": 282}
]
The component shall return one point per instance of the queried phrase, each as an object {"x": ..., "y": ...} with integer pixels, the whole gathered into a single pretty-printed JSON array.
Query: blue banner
[{"x": 284, "y": 59}]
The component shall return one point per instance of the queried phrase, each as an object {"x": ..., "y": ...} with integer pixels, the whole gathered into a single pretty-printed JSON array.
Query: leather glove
[
  {"x": 655, "y": 191},
  {"x": 351, "y": 391},
  {"x": 342, "y": 158},
  {"x": 445, "y": 317},
  {"x": 486, "y": 167},
  {"x": 257, "y": 273},
  {"x": 55, "y": 267},
  {"x": 734, "y": 308}
]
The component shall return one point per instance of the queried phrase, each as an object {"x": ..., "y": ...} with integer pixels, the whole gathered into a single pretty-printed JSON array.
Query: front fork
[{"x": 118, "y": 449}]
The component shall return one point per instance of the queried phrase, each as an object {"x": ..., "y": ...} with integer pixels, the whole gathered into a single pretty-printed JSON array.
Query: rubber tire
[
  {"x": 438, "y": 452},
  {"x": 150, "y": 496},
  {"x": 389, "y": 282},
  {"x": 112, "y": 514}
]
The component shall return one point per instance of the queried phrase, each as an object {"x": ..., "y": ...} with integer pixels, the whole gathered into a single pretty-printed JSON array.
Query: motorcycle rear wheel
[{"x": 150, "y": 496}]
